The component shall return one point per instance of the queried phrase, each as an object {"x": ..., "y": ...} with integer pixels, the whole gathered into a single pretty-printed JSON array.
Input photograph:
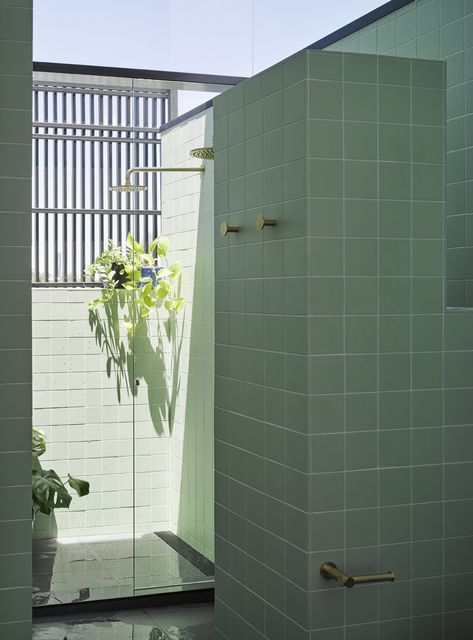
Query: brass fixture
[
  {"x": 137, "y": 187},
  {"x": 262, "y": 222},
  {"x": 225, "y": 228},
  {"x": 204, "y": 153},
  {"x": 329, "y": 571}
]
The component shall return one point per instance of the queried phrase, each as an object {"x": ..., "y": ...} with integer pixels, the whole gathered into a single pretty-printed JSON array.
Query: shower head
[
  {"x": 129, "y": 187},
  {"x": 204, "y": 153}
]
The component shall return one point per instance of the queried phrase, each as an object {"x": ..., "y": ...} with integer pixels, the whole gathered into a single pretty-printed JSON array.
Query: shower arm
[{"x": 157, "y": 170}]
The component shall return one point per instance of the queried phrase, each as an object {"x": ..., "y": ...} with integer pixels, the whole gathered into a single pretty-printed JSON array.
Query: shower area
[{"x": 122, "y": 354}]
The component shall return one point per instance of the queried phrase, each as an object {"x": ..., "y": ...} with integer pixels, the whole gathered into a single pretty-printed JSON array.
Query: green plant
[
  {"x": 122, "y": 268},
  {"x": 49, "y": 491}
]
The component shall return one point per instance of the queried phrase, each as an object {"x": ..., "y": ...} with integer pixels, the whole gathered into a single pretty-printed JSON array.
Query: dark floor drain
[{"x": 184, "y": 549}]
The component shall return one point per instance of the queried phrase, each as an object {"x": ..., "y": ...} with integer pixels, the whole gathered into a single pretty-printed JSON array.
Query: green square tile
[
  {"x": 326, "y": 335},
  {"x": 427, "y": 408},
  {"x": 235, "y": 98},
  {"x": 253, "y": 89},
  {"x": 394, "y": 257},
  {"x": 295, "y": 102},
  {"x": 451, "y": 10},
  {"x": 428, "y": 106},
  {"x": 325, "y": 256},
  {"x": 395, "y": 142},
  {"x": 326, "y": 373},
  {"x": 361, "y": 295},
  {"x": 361, "y": 257},
  {"x": 426, "y": 73},
  {"x": 427, "y": 295},
  {"x": 427, "y": 483},
  {"x": 220, "y": 106},
  {"x": 394, "y": 448},
  {"x": 394, "y": 333},
  {"x": 360, "y": 68},
  {"x": 361, "y": 373},
  {"x": 394, "y": 104},
  {"x": 273, "y": 185},
  {"x": 394, "y": 295},
  {"x": 327, "y": 453},
  {"x": 393, "y": 71},
  {"x": 236, "y": 160},
  {"x": 394, "y": 486},
  {"x": 427, "y": 333},
  {"x": 325, "y": 66},
  {"x": 295, "y": 183},
  {"x": 325, "y": 99},
  {"x": 325, "y": 217},
  {"x": 427, "y": 257},
  {"x": 428, "y": 45},
  {"x": 457, "y": 481},
  {"x": 394, "y": 409},
  {"x": 273, "y": 111},
  {"x": 395, "y": 181},
  {"x": 361, "y": 411},
  {"x": 236, "y": 128},
  {"x": 326, "y": 178},
  {"x": 456, "y": 100},
  {"x": 452, "y": 38},
  {"x": 362, "y": 489},
  {"x": 326, "y": 491},
  {"x": 361, "y": 527},
  {"x": 394, "y": 372},
  {"x": 361, "y": 333},
  {"x": 295, "y": 68},
  {"x": 458, "y": 369},
  {"x": 327, "y": 531},
  {"x": 326, "y": 296},
  {"x": 253, "y": 120},
  {"x": 294, "y": 252},
  {"x": 427, "y": 220},
  {"x": 394, "y": 219},
  {"x": 386, "y": 35},
  {"x": 395, "y": 524},
  {"x": 361, "y": 218},
  {"x": 361, "y": 450},
  {"x": 296, "y": 373},
  {"x": 361, "y": 179},
  {"x": 295, "y": 145},
  {"x": 273, "y": 79},
  {"x": 297, "y": 451},
  {"x": 427, "y": 521},
  {"x": 254, "y": 155},
  {"x": 273, "y": 148},
  {"x": 327, "y": 413},
  {"x": 360, "y": 140},
  {"x": 368, "y": 40},
  {"x": 325, "y": 139},
  {"x": 427, "y": 182},
  {"x": 427, "y": 446},
  {"x": 360, "y": 102}
]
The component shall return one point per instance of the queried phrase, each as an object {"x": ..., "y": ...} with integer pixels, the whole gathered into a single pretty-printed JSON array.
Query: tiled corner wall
[
  {"x": 330, "y": 439},
  {"x": 440, "y": 30},
  {"x": 83, "y": 403},
  {"x": 15, "y": 318},
  {"x": 188, "y": 218}
]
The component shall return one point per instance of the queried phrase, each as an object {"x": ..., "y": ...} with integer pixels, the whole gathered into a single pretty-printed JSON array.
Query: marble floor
[
  {"x": 96, "y": 569},
  {"x": 184, "y": 622}
]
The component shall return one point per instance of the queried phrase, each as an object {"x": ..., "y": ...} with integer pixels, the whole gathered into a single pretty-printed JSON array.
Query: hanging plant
[{"x": 150, "y": 278}]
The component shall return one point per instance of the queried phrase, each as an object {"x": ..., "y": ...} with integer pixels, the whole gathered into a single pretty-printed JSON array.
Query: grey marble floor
[
  {"x": 193, "y": 622},
  {"x": 101, "y": 569}
]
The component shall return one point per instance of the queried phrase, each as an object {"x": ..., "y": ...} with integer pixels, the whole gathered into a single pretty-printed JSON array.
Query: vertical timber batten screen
[{"x": 84, "y": 139}]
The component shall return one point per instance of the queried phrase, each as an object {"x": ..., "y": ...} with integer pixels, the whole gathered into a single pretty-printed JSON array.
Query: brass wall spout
[
  {"x": 329, "y": 571},
  {"x": 127, "y": 186}
]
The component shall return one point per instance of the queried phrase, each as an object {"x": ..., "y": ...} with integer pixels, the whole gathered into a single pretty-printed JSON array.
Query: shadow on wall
[
  {"x": 195, "y": 511},
  {"x": 135, "y": 358}
]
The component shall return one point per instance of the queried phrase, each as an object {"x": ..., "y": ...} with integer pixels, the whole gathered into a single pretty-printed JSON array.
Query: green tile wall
[
  {"x": 439, "y": 30},
  {"x": 329, "y": 401},
  {"x": 15, "y": 319}
]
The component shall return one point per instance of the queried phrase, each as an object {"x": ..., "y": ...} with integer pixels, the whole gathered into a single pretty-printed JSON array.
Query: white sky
[{"x": 228, "y": 37}]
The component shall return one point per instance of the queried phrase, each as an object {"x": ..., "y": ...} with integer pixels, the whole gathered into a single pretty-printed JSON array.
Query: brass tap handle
[
  {"x": 262, "y": 222},
  {"x": 225, "y": 228},
  {"x": 329, "y": 571}
]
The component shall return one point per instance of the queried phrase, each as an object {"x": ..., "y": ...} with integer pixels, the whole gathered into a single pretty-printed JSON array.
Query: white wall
[
  {"x": 89, "y": 429},
  {"x": 188, "y": 220}
]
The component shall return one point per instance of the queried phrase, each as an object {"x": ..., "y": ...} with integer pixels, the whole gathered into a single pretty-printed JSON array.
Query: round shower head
[
  {"x": 129, "y": 187},
  {"x": 204, "y": 153}
]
